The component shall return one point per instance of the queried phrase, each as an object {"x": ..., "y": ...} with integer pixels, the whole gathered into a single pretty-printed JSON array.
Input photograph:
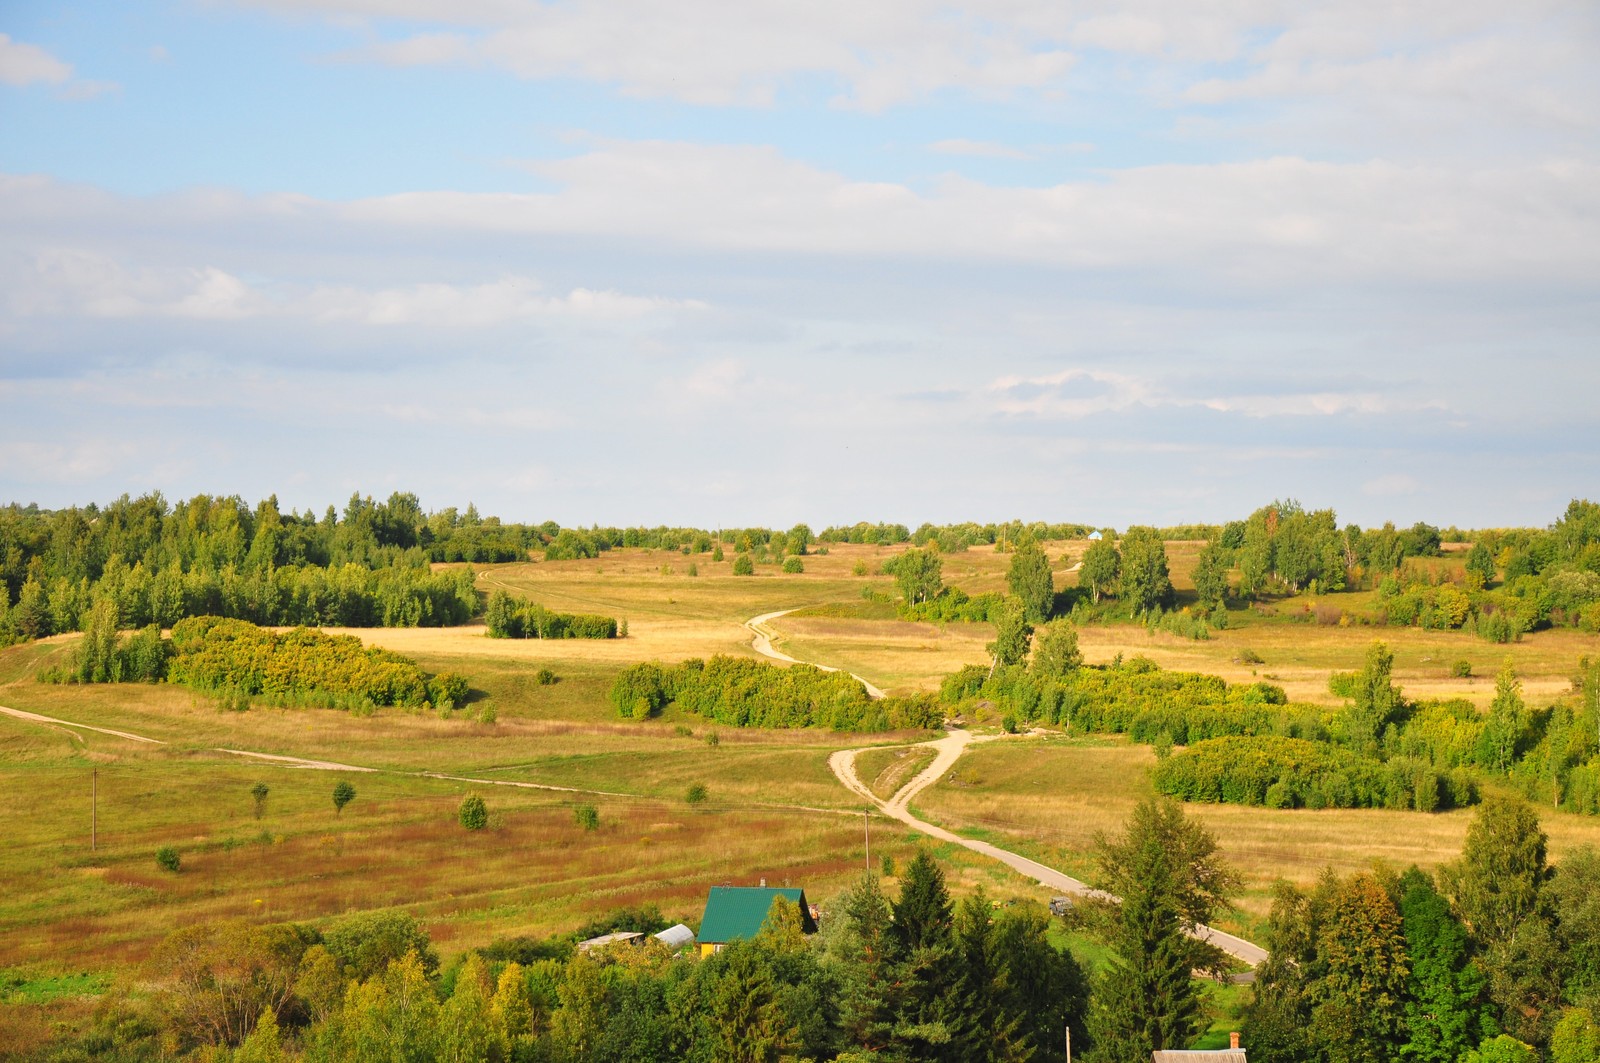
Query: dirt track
[{"x": 948, "y": 751}]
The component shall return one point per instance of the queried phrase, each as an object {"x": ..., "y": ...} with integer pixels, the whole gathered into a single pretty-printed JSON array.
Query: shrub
[
  {"x": 510, "y": 617},
  {"x": 793, "y": 565},
  {"x": 1461, "y": 669},
  {"x": 1248, "y": 656},
  {"x": 238, "y": 661},
  {"x": 167, "y": 859},
  {"x": 696, "y": 794},
  {"x": 545, "y": 677},
  {"x": 743, "y": 566},
  {"x": 343, "y": 794},
  {"x": 739, "y": 692},
  {"x": 587, "y": 817},
  {"x": 473, "y": 814}
]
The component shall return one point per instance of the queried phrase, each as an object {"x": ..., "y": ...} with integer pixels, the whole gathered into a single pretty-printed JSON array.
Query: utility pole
[
  {"x": 866, "y": 832},
  {"x": 94, "y": 801},
  {"x": 1069, "y": 1044}
]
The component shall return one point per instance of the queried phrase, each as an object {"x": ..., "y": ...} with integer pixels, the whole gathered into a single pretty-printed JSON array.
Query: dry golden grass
[
  {"x": 885, "y": 771},
  {"x": 1049, "y": 797},
  {"x": 534, "y": 872}
]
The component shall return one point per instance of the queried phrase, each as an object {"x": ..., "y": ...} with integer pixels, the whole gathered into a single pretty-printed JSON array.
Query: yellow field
[
  {"x": 774, "y": 810},
  {"x": 1050, "y": 797}
]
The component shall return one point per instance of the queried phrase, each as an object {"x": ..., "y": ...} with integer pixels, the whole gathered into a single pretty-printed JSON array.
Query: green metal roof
[{"x": 735, "y": 913}]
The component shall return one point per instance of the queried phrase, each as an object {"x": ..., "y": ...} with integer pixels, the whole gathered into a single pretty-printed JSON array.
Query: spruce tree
[
  {"x": 922, "y": 915},
  {"x": 1146, "y": 1001}
]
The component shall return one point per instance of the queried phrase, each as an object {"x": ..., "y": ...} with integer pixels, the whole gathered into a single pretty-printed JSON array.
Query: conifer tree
[{"x": 1167, "y": 873}]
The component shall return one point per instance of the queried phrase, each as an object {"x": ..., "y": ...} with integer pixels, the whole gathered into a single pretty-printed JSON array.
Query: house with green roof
[{"x": 735, "y": 913}]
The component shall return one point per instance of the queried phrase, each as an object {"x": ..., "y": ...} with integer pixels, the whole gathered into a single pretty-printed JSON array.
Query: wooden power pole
[{"x": 94, "y": 801}]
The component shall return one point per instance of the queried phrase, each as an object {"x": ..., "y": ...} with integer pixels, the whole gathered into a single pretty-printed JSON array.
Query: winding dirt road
[
  {"x": 762, "y": 642},
  {"x": 948, "y": 751}
]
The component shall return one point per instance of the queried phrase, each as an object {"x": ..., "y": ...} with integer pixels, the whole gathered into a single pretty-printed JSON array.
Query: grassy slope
[{"x": 534, "y": 872}]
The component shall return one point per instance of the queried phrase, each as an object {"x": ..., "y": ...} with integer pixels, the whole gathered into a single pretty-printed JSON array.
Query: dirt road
[
  {"x": 948, "y": 752},
  {"x": 762, "y": 639}
]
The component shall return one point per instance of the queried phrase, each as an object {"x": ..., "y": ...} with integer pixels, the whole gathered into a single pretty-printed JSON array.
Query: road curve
[
  {"x": 948, "y": 751},
  {"x": 762, "y": 638}
]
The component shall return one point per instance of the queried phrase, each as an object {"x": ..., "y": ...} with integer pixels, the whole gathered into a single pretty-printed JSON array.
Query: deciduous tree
[
  {"x": 1100, "y": 568},
  {"x": 1031, "y": 582}
]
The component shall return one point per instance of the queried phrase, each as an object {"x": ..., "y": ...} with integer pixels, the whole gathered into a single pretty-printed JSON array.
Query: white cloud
[
  {"x": 870, "y": 56},
  {"x": 72, "y": 282},
  {"x": 25, "y": 64},
  {"x": 1268, "y": 222},
  {"x": 68, "y": 282},
  {"x": 508, "y": 299},
  {"x": 985, "y": 149}
]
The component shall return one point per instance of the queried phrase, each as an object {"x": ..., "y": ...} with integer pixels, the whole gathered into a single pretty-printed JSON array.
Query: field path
[
  {"x": 67, "y": 728},
  {"x": 948, "y": 751},
  {"x": 763, "y": 636},
  {"x": 52, "y": 721}
]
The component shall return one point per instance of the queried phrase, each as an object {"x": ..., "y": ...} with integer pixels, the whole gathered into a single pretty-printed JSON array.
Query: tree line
[
  {"x": 915, "y": 976},
  {"x": 239, "y": 661},
  {"x": 1491, "y": 959},
  {"x": 512, "y": 617},
  {"x": 739, "y": 692}
]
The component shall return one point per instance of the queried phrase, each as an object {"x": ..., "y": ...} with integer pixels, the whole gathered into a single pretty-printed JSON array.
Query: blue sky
[{"x": 727, "y": 264}]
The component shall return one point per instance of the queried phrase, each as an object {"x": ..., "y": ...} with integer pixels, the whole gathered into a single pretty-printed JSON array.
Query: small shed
[
  {"x": 735, "y": 913},
  {"x": 1232, "y": 1054},
  {"x": 676, "y": 936},
  {"x": 609, "y": 939}
]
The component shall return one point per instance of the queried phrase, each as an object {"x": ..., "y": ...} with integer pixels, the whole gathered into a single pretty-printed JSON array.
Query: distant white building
[{"x": 676, "y": 937}]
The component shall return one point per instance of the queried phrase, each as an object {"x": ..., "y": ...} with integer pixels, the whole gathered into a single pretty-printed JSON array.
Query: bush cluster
[
  {"x": 303, "y": 666},
  {"x": 739, "y": 692},
  {"x": 510, "y": 617},
  {"x": 1296, "y": 773}
]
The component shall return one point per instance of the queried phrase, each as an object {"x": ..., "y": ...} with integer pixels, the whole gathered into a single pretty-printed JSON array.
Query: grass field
[
  {"x": 1049, "y": 797},
  {"x": 885, "y": 771},
  {"x": 773, "y": 809}
]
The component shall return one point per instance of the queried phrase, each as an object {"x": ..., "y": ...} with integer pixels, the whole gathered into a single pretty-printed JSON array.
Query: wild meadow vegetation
[{"x": 1320, "y": 696}]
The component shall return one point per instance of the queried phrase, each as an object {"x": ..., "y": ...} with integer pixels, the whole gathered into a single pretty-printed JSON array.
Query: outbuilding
[{"x": 736, "y": 913}]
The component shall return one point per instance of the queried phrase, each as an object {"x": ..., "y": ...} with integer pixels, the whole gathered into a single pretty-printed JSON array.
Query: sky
[{"x": 726, "y": 264}]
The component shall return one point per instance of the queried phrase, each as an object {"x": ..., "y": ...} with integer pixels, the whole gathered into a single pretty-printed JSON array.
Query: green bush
[
  {"x": 509, "y": 617},
  {"x": 1461, "y": 669},
  {"x": 743, "y": 566},
  {"x": 304, "y": 667},
  {"x": 167, "y": 859},
  {"x": 793, "y": 565},
  {"x": 696, "y": 794},
  {"x": 739, "y": 692},
  {"x": 1291, "y": 772},
  {"x": 473, "y": 814},
  {"x": 587, "y": 817}
]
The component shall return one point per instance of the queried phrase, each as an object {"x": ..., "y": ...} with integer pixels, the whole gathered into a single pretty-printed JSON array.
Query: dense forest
[{"x": 369, "y": 565}]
